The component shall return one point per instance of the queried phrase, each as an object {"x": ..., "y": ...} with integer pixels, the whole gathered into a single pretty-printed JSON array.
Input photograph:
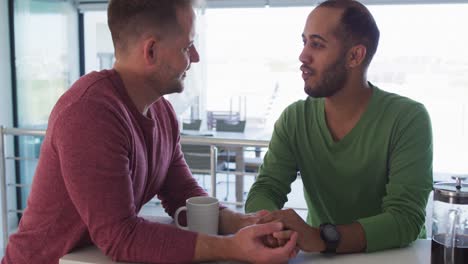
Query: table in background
[{"x": 234, "y": 140}]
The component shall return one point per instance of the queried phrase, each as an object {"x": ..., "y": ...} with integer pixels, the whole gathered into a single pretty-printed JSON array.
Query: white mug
[{"x": 202, "y": 215}]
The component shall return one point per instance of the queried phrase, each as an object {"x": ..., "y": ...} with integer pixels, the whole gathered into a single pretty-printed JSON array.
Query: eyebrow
[{"x": 315, "y": 36}]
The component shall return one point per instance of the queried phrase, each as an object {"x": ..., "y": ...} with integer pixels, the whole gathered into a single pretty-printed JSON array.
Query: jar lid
[{"x": 452, "y": 192}]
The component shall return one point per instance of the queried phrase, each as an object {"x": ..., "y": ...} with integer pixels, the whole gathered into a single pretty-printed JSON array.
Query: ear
[
  {"x": 150, "y": 51},
  {"x": 356, "y": 55}
]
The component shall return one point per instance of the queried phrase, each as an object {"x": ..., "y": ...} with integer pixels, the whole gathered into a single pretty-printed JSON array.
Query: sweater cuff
[{"x": 381, "y": 232}]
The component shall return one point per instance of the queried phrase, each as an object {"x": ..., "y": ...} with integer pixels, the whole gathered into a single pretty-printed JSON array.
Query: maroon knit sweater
[{"x": 100, "y": 162}]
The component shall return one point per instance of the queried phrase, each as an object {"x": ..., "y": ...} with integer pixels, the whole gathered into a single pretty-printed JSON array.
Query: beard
[
  {"x": 176, "y": 86},
  {"x": 168, "y": 81},
  {"x": 333, "y": 80}
]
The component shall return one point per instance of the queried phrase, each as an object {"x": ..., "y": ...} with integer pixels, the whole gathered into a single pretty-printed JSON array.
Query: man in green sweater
[{"x": 364, "y": 155}]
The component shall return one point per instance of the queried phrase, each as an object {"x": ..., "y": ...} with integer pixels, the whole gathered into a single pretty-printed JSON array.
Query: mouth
[
  {"x": 184, "y": 74},
  {"x": 306, "y": 72}
]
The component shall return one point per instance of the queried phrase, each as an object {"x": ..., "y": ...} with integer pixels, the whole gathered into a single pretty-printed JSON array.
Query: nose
[
  {"x": 305, "y": 57},
  {"x": 194, "y": 56}
]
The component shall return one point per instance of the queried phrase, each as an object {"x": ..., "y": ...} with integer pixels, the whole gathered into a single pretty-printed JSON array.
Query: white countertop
[{"x": 418, "y": 252}]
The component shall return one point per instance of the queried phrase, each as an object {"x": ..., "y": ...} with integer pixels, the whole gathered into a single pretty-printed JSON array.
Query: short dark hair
[
  {"x": 357, "y": 26},
  {"x": 128, "y": 19}
]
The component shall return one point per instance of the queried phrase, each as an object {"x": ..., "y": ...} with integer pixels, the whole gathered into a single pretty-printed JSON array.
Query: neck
[
  {"x": 349, "y": 102},
  {"x": 141, "y": 92}
]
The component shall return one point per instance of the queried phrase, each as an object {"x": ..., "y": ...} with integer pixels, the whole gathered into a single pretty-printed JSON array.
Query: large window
[
  {"x": 46, "y": 52},
  {"x": 249, "y": 63},
  {"x": 253, "y": 53},
  {"x": 422, "y": 55}
]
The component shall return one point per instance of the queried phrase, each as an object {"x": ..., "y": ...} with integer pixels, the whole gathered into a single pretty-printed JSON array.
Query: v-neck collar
[{"x": 348, "y": 138}]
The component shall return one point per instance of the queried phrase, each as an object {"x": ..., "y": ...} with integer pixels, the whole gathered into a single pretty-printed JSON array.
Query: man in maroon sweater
[{"x": 112, "y": 144}]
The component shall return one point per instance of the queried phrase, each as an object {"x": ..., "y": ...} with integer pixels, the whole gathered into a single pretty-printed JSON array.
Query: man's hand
[
  {"x": 308, "y": 237},
  {"x": 249, "y": 245},
  {"x": 253, "y": 218},
  {"x": 230, "y": 222},
  {"x": 246, "y": 245}
]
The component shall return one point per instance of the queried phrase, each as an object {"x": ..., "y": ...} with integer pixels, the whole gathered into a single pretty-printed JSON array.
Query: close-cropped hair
[
  {"x": 129, "y": 19},
  {"x": 357, "y": 26}
]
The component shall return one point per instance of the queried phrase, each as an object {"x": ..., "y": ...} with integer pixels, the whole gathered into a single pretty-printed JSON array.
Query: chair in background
[
  {"x": 198, "y": 160},
  {"x": 230, "y": 126},
  {"x": 194, "y": 124},
  {"x": 198, "y": 156},
  {"x": 229, "y": 154},
  {"x": 212, "y": 118},
  {"x": 251, "y": 164}
]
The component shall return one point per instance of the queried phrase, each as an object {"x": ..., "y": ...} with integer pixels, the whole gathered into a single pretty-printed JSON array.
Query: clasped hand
[
  {"x": 249, "y": 241},
  {"x": 308, "y": 237},
  {"x": 275, "y": 237}
]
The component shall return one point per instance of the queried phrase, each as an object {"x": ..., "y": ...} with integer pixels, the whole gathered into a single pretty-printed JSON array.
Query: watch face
[{"x": 330, "y": 232}]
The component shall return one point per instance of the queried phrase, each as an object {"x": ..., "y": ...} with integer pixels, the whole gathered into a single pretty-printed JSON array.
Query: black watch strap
[{"x": 330, "y": 235}]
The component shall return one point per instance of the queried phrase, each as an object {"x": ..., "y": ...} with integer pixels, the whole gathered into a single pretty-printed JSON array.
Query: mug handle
[{"x": 176, "y": 217}]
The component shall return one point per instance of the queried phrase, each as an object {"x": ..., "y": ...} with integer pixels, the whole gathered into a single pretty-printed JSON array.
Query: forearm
[
  {"x": 398, "y": 229},
  {"x": 353, "y": 238},
  {"x": 257, "y": 201},
  {"x": 278, "y": 171},
  {"x": 269, "y": 192},
  {"x": 213, "y": 248}
]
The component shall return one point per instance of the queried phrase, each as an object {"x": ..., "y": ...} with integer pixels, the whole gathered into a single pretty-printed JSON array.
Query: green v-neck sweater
[{"x": 379, "y": 174}]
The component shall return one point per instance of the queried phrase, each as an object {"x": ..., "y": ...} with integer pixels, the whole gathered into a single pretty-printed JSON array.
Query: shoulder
[
  {"x": 90, "y": 94},
  {"x": 301, "y": 108},
  {"x": 92, "y": 101},
  {"x": 396, "y": 103},
  {"x": 399, "y": 110},
  {"x": 297, "y": 117},
  {"x": 402, "y": 116}
]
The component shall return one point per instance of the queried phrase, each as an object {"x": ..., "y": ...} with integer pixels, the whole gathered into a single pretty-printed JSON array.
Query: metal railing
[
  {"x": 3, "y": 176},
  {"x": 213, "y": 142}
]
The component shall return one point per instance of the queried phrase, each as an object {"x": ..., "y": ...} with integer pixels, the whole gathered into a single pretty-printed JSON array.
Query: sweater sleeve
[
  {"x": 180, "y": 184},
  {"x": 92, "y": 144},
  {"x": 277, "y": 172},
  {"x": 410, "y": 182}
]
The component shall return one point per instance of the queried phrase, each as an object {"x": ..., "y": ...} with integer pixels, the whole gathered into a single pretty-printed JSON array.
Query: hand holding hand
[
  {"x": 231, "y": 222},
  {"x": 308, "y": 237},
  {"x": 253, "y": 218},
  {"x": 249, "y": 245}
]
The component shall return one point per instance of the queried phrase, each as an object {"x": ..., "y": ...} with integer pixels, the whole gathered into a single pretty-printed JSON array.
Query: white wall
[{"x": 6, "y": 105}]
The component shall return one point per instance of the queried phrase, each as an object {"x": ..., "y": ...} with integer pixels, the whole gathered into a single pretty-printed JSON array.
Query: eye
[{"x": 316, "y": 45}]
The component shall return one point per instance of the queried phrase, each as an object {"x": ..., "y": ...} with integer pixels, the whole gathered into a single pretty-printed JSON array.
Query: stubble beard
[
  {"x": 176, "y": 87},
  {"x": 169, "y": 86},
  {"x": 333, "y": 80}
]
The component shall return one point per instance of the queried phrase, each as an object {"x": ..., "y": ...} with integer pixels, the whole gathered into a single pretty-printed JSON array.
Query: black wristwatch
[{"x": 330, "y": 235}]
